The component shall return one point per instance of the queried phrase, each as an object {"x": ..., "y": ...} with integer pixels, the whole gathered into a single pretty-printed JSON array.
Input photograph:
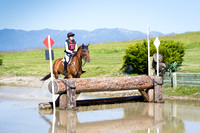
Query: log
[
  {"x": 150, "y": 93},
  {"x": 87, "y": 102},
  {"x": 45, "y": 106},
  {"x": 158, "y": 89},
  {"x": 102, "y": 84},
  {"x": 155, "y": 58},
  {"x": 149, "y": 86},
  {"x": 144, "y": 94},
  {"x": 108, "y": 100},
  {"x": 58, "y": 84}
]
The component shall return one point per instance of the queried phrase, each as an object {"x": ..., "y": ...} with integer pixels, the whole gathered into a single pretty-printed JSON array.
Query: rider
[{"x": 70, "y": 49}]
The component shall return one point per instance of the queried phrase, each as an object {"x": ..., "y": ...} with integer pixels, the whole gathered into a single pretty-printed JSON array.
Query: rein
[{"x": 79, "y": 61}]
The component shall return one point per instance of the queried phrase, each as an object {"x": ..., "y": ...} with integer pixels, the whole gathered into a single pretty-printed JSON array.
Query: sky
[{"x": 165, "y": 16}]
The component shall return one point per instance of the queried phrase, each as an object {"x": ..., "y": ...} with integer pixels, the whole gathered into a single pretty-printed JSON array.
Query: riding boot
[{"x": 65, "y": 68}]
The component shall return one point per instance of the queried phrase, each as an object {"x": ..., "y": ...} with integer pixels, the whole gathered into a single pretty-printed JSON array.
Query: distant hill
[{"x": 20, "y": 40}]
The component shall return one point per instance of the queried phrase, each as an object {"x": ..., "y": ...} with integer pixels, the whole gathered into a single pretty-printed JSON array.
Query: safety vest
[{"x": 71, "y": 45}]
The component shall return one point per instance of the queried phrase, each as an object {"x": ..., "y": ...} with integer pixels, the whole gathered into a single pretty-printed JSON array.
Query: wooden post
[
  {"x": 174, "y": 80},
  {"x": 71, "y": 99},
  {"x": 150, "y": 93},
  {"x": 71, "y": 95},
  {"x": 158, "y": 89},
  {"x": 63, "y": 101}
]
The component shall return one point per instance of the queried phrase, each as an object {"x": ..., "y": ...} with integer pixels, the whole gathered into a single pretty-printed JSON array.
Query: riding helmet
[{"x": 70, "y": 34}]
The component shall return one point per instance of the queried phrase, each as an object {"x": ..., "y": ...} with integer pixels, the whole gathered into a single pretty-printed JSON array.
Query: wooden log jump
[
  {"x": 149, "y": 87},
  {"x": 102, "y": 84}
]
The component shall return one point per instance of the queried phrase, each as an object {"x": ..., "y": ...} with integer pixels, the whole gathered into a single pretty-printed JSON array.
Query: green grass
[
  {"x": 191, "y": 40},
  {"x": 193, "y": 92},
  {"x": 106, "y": 58}
]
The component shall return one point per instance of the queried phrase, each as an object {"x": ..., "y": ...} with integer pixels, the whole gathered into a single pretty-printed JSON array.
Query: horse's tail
[{"x": 46, "y": 77}]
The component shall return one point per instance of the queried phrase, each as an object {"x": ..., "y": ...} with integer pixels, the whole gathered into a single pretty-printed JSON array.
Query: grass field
[
  {"x": 191, "y": 92},
  {"x": 106, "y": 58},
  {"x": 191, "y": 40}
]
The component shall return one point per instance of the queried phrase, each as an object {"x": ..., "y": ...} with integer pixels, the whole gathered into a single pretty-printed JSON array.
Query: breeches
[{"x": 66, "y": 58}]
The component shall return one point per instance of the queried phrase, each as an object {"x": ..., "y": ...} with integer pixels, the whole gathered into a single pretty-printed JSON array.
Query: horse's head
[{"x": 85, "y": 52}]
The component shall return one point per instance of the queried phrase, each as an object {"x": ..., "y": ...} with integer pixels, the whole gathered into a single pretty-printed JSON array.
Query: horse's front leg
[
  {"x": 78, "y": 76},
  {"x": 56, "y": 75},
  {"x": 69, "y": 76}
]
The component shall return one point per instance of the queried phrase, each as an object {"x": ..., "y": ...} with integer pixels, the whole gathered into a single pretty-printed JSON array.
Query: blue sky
[{"x": 162, "y": 15}]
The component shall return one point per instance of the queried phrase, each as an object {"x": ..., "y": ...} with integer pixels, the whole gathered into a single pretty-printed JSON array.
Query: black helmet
[{"x": 70, "y": 34}]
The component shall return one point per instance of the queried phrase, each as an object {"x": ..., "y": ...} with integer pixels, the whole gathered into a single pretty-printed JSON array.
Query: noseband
[{"x": 85, "y": 50}]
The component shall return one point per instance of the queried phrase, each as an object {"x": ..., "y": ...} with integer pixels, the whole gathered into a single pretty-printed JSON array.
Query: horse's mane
[{"x": 80, "y": 47}]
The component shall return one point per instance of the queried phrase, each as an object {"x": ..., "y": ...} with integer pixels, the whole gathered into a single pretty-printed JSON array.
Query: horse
[{"x": 74, "y": 68}]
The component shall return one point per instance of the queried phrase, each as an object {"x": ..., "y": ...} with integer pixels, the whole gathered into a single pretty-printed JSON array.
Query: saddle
[{"x": 64, "y": 59}]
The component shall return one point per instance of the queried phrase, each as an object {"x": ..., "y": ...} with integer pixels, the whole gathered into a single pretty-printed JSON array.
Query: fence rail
[{"x": 181, "y": 79}]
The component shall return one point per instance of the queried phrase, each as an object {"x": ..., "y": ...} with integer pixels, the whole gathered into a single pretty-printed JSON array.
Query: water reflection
[
  {"x": 19, "y": 113},
  {"x": 128, "y": 117},
  {"x": 107, "y": 114}
]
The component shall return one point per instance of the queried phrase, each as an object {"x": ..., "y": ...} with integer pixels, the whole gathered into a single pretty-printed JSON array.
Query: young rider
[{"x": 70, "y": 48}]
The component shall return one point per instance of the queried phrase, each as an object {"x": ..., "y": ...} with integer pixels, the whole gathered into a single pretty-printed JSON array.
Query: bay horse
[{"x": 74, "y": 67}]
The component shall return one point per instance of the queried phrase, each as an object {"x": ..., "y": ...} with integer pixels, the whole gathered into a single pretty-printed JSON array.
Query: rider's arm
[
  {"x": 66, "y": 48},
  {"x": 76, "y": 48}
]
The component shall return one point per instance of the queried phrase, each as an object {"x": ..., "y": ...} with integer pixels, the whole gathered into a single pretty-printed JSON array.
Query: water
[{"x": 19, "y": 114}]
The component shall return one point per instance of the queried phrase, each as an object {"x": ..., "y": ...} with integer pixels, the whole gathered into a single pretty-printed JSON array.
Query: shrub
[{"x": 136, "y": 55}]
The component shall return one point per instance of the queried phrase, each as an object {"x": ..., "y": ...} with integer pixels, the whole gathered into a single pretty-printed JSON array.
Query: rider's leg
[{"x": 65, "y": 64}]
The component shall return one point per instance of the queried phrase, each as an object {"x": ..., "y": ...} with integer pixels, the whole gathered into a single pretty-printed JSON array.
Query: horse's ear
[
  {"x": 88, "y": 44},
  {"x": 83, "y": 44}
]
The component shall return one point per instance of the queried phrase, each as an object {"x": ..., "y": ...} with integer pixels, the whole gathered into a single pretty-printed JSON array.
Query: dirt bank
[
  {"x": 24, "y": 81},
  {"x": 180, "y": 98}
]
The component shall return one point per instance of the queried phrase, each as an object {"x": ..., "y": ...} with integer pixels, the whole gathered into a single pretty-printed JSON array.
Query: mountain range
[{"x": 21, "y": 40}]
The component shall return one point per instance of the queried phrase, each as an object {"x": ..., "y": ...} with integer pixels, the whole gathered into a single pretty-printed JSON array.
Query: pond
[{"x": 19, "y": 113}]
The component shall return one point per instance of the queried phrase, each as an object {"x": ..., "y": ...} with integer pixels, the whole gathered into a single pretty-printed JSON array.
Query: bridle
[{"x": 85, "y": 50}]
